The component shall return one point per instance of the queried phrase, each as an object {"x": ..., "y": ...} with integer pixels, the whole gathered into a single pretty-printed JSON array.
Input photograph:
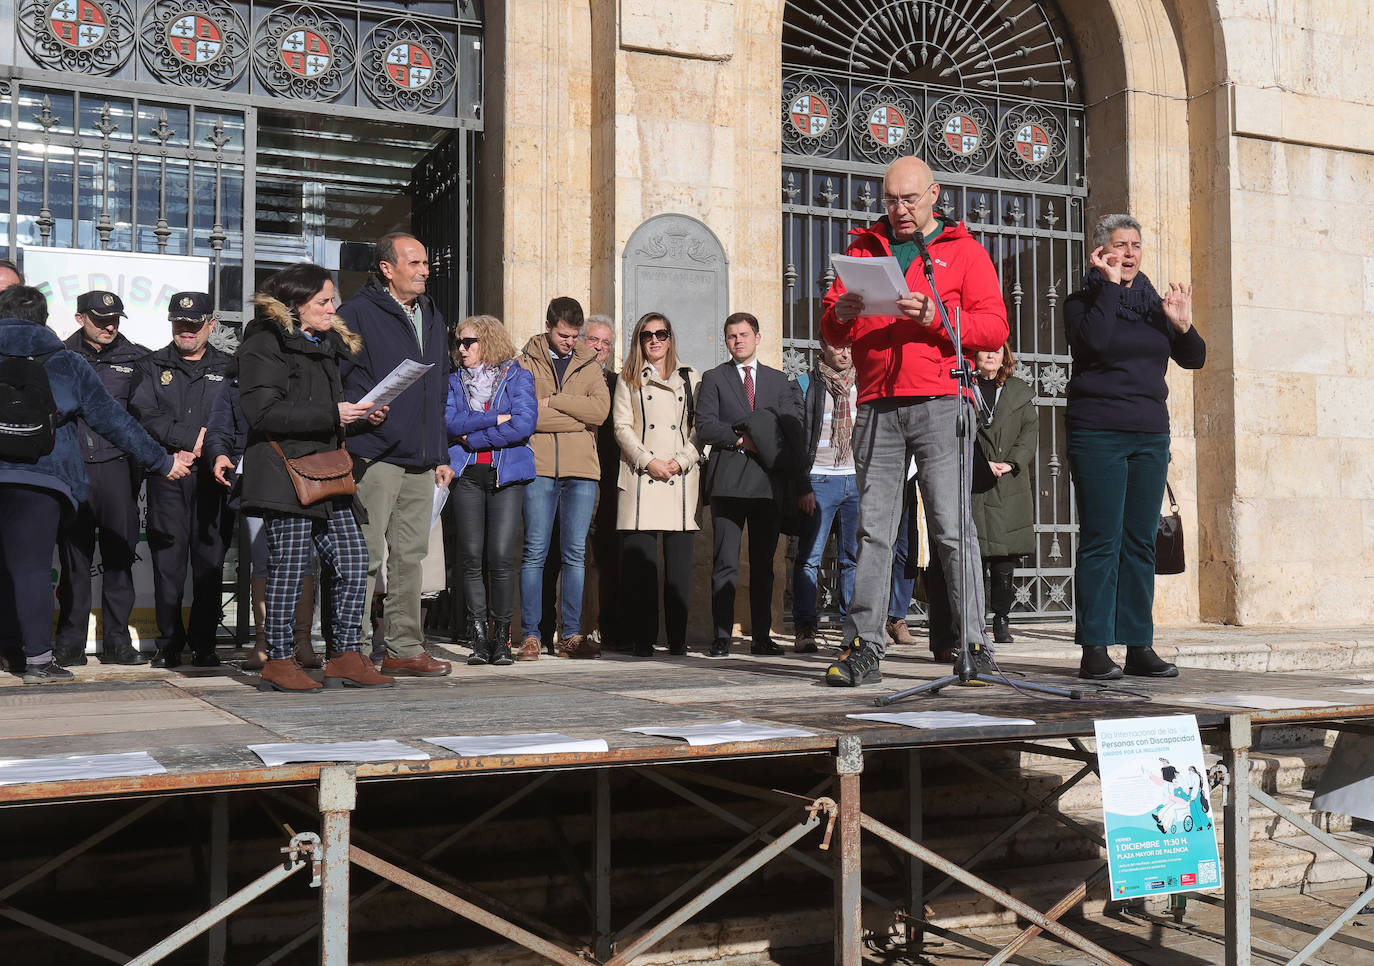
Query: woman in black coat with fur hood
[{"x": 293, "y": 400}]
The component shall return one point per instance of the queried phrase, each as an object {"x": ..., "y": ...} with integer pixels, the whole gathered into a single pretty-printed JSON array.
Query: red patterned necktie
[{"x": 749, "y": 385}]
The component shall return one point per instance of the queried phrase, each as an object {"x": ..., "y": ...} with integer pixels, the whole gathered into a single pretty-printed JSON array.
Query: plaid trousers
[{"x": 343, "y": 564}]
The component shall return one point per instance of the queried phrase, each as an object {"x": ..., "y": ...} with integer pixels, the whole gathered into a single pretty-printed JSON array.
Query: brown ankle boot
[
  {"x": 257, "y": 592},
  {"x": 286, "y": 675},
  {"x": 351, "y": 669},
  {"x": 305, "y": 617}
]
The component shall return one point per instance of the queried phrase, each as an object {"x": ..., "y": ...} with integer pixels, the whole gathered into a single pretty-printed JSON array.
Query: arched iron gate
[{"x": 986, "y": 93}]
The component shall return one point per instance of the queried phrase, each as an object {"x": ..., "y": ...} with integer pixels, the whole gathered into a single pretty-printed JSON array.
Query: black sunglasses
[
  {"x": 655, "y": 335},
  {"x": 468, "y": 342}
]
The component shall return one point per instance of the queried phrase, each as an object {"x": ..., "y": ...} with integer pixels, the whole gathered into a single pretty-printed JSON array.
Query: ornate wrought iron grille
[
  {"x": 985, "y": 92},
  {"x": 85, "y": 169}
]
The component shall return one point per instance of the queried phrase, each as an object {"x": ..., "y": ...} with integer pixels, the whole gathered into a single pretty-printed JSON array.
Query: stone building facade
[{"x": 1238, "y": 132}]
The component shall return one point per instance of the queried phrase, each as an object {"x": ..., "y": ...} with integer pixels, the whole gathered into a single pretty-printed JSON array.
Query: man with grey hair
[{"x": 398, "y": 463}]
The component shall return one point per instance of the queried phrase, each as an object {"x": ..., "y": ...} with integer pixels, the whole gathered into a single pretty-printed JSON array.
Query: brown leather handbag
[{"x": 320, "y": 476}]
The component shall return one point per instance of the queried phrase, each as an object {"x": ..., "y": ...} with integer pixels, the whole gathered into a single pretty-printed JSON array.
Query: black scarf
[{"x": 1138, "y": 303}]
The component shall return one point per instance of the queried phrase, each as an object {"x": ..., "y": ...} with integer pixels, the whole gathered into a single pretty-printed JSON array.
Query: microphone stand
[{"x": 965, "y": 671}]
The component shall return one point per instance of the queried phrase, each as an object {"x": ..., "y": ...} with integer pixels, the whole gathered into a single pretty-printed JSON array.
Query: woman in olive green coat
[{"x": 1005, "y": 514}]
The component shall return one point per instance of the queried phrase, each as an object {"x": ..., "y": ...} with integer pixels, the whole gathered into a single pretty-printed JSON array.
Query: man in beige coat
[{"x": 573, "y": 402}]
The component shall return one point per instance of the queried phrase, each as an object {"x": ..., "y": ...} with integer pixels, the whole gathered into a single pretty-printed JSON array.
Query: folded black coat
[{"x": 780, "y": 447}]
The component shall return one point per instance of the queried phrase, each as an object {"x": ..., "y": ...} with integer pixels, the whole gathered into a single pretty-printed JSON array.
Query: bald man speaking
[{"x": 908, "y": 403}]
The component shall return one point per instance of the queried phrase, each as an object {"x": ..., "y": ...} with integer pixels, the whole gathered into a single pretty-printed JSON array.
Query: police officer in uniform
[
  {"x": 110, "y": 511},
  {"x": 175, "y": 390}
]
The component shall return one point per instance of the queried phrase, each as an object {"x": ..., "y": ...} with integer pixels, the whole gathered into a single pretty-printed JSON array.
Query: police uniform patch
[{"x": 166, "y": 377}]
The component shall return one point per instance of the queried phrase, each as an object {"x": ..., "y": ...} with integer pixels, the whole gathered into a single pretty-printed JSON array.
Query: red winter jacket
[{"x": 895, "y": 356}]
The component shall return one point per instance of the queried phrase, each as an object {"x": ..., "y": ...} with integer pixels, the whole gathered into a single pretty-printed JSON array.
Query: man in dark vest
[
  {"x": 110, "y": 511},
  {"x": 187, "y": 519}
]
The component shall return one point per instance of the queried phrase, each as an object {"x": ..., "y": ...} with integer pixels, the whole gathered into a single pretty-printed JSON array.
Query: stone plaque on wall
[{"x": 674, "y": 264}]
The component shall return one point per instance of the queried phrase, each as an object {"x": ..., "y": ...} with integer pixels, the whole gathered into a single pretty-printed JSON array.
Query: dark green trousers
[{"x": 1118, "y": 480}]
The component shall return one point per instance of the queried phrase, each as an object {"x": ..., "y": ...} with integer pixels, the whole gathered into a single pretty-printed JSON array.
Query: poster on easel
[{"x": 1156, "y": 807}]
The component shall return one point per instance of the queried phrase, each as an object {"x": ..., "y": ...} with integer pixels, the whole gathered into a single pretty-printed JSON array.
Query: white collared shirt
[{"x": 741, "y": 366}]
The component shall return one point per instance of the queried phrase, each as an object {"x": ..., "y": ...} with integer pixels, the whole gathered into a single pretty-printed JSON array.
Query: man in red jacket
[{"x": 908, "y": 403}]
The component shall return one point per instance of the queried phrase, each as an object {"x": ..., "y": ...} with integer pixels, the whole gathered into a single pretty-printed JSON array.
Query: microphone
[{"x": 920, "y": 239}]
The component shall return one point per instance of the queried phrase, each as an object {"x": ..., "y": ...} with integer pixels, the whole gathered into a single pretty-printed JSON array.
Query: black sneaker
[
  {"x": 1145, "y": 663},
  {"x": 858, "y": 667},
  {"x": 1097, "y": 665},
  {"x": 205, "y": 659},
  {"x": 982, "y": 662},
  {"x": 166, "y": 658},
  {"x": 50, "y": 673}
]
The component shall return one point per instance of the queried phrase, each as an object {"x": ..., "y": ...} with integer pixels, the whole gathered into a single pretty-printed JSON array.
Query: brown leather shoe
[
  {"x": 529, "y": 648},
  {"x": 286, "y": 675},
  {"x": 579, "y": 645},
  {"x": 898, "y": 632},
  {"x": 351, "y": 669},
  {"x": 420, "y": 666}
]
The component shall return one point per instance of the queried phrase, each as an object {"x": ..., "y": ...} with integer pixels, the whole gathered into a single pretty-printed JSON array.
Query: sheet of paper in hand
[{"x": 878, "y": 280}]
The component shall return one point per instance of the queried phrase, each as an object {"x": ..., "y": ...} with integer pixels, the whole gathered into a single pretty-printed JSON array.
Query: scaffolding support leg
[
  {"x": 601, "y": 858},
  {"x": 915, "y": 883},
  {"x": 1236, "y": 841},
  {"x": 338, "y": 796},
  {"x": 219, "y": 875},
  {"x": 849, "y": 766}
]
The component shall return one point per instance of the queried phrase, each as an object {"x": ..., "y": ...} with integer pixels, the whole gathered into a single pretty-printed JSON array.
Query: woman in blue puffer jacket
[
  {"x": 35, "y": 492},
  {"x": 490, "y": 414}
]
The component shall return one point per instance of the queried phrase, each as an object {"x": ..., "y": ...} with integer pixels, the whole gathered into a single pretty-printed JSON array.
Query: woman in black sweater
[{"x": 1122, "y": 334}]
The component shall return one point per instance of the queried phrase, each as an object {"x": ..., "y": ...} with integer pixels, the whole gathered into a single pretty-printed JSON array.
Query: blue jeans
[
  {"x": 837, "y": 498},
  {"x": 903, "y": 587},
  {"x": 572, "y": 502}
]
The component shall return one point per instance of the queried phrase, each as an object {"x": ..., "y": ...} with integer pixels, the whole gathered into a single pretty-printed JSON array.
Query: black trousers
[
  {"x": 488, "y": 542},
  {"x": 109, "y": 516},
  {"x": 944, "y": 631},
  {"x": 729, "y": 516},
  {"x": 187, "y": 521},
  {"x": 29, "y": 518},
  {"x": 639, "y": 623}
]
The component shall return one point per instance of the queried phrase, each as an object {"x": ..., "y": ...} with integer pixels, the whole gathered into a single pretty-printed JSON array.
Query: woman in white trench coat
[{"x": 654, "y": 415}]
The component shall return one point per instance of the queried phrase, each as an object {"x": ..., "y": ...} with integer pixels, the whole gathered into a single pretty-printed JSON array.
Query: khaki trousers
[{"x": 398, "y": 502}]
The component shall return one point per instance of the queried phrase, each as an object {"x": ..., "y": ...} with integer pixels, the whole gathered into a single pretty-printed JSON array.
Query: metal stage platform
[{"x": 199, "y": 724}]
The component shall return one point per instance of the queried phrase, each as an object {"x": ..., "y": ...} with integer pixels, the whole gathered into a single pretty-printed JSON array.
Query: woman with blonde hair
[
  {"x": 654, "y": 413},
  {"x": 490, "y": 414}
]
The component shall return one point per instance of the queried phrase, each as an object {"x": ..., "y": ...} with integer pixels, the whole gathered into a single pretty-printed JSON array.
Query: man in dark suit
[{"x": 745, "y": 489}]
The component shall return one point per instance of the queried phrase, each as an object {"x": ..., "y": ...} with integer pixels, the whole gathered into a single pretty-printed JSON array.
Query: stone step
[{"x": 1346, "y": 652}]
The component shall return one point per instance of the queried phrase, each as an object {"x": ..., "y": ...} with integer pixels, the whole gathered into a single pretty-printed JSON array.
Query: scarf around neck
[
  {"x": 480, "y": 384},
  {"x": 839, "y": 382},
  {"x": 1137, "y": 302}
]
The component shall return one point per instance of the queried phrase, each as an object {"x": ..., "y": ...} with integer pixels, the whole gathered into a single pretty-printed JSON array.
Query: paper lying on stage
[
  {"x": 1347, "y": 783},
  {"x": 544, "y": 743},
  {"x": 931, "y": 720},
  {"x": 383, "y": 749},
  {"x": 1260, "y": 702},
  {"x": 720, "y": 732},
  {"x": 18, "y": 771}
]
